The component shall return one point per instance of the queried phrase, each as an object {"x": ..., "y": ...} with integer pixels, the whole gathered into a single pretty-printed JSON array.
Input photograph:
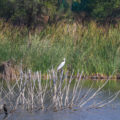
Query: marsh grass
[{"x": 91, "y": 48}]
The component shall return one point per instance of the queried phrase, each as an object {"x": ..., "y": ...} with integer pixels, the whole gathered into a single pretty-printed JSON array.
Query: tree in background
[
  {"x": 75, "y": 6},
  {"x": 63, "y": 4},
  {"x": 6, "y": 9},
  {"x": 26, "y": 12},
  {"x": 32, "y": 12},
  {"x": 98, "y": 9}
]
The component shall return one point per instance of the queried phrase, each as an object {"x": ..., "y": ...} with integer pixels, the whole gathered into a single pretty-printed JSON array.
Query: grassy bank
[{"x": 89, "y": 48}]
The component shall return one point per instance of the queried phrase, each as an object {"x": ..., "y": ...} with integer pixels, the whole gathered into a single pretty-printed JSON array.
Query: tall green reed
[{"x": 89, "y": 48}]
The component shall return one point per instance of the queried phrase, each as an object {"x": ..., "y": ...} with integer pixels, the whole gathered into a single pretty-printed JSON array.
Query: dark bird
[{"x": 5, "y": 109}]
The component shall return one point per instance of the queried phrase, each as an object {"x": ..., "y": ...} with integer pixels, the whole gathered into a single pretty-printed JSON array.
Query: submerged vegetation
[
  {"x": 86, "y": 47},
  {"x": 58, "y": 91}
]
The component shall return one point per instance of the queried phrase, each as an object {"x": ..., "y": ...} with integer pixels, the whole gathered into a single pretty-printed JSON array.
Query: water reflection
[{"x": 109, "y": 112}]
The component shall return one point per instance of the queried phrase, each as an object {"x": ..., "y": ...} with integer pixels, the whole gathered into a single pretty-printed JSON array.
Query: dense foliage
[
  {"x": 26, "y": 12},
  {"x": 30, "y": 12},
  {"x": 98, "y": 9}
]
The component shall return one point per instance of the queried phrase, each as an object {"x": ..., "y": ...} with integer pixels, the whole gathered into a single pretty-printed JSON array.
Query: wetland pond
[{"x": 109, "y": 112}]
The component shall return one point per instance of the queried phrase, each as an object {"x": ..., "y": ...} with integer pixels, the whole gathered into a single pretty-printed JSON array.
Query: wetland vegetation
[
  {"x": 44, "y": 32},
  {"x": 36, "y": 35},
  {"x": 90, "y": 48}
]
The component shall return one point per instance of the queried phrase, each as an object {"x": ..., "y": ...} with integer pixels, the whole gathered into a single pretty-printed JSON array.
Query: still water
[{"x": 109, "y": 112}]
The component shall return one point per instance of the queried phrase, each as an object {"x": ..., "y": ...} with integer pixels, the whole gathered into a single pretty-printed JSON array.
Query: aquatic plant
[{"x": 33, "y": 91}]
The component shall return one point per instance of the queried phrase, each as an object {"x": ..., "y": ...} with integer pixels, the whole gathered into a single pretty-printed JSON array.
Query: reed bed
[
  {"x": 89, "y": 47},
  {"x": 57, "y": 91}
]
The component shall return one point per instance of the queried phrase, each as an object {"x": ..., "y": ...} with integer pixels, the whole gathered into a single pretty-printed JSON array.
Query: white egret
[{"x": 61, "y": 65}]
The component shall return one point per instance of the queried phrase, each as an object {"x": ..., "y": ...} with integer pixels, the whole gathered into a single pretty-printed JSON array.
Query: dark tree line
[
  {"x": 30, "y": 12},
  {"x": 26, "y": 12},
  {"x": 100, "y": 10}
]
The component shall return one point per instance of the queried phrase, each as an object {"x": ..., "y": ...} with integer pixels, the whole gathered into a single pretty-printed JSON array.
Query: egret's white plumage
[{"x": 61, "y": 65}]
